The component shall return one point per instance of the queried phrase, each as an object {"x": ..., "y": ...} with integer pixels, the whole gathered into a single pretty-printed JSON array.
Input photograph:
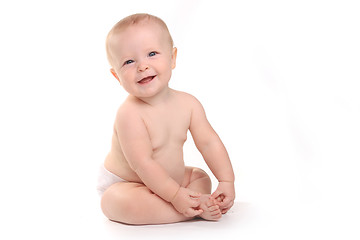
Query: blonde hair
[{"x": 130, "y": 21}]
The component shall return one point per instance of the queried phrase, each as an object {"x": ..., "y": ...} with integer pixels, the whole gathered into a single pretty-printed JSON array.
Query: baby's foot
[{"x": 211, "y": 210}]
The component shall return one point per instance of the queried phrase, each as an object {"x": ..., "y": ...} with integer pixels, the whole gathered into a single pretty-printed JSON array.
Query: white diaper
[{"x": 106, "y": 179}]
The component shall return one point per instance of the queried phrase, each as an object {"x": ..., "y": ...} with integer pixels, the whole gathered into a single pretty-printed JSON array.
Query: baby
[{"x": 144, "y": 179}]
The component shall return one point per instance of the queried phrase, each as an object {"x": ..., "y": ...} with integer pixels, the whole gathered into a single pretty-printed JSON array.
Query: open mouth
[{"x": 146, "y": 80}]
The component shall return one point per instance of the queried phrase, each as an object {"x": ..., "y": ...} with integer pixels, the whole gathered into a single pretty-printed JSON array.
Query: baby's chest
[{"x": 167, "y": 129}]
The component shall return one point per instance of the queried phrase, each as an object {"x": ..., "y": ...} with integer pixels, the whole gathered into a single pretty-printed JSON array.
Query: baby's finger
[
  {"x": 195, "y": 203},
  {"x": 223, "y": 211},
  {"x": 216, "y": 194},
  {"x": 226, "y": 201},
  {"x": 231, "y": 203},
  {"x": 219, "y": 199},
  {"x": 227, "y": 207},
  {"x": 195, "y": 194}
]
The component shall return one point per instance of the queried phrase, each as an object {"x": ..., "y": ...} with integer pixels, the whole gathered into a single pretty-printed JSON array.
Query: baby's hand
[
  {"x": 187, "y": 202},
  {"x": 225, "y": 195}
]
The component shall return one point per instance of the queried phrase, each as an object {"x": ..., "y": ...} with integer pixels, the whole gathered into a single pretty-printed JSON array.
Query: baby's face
[{"x": 143, "y": 59}]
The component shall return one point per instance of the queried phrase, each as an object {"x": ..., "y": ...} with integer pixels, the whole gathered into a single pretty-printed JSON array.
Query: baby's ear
[
  {"x": 173, "y": 57},
  {"x": 114, "y": 74}
]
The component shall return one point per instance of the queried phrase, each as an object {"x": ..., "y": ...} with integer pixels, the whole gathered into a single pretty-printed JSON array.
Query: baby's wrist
[
  {"x": 176, "y": 193},
  {"x": 226, "y": 181}
]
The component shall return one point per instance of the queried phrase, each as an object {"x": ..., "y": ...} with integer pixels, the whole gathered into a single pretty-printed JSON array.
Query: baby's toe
[
  {"x": 217, "y": 215},
  {"x": 209, "y": 203},
  {"x": 214, "y": 208}
]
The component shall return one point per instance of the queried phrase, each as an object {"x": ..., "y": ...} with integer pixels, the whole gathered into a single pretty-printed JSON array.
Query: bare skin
[
  {"x": 149, "y": 133},
  {"x": 168, "y": 130},
  {"x": 134, "y": 203}
]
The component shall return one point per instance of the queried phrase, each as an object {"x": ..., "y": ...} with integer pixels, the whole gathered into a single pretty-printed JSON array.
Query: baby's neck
[{"x": 159, "y": 98}]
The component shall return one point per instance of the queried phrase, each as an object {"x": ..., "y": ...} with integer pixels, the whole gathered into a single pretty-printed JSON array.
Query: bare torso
[{"x": 167, "y": 125}]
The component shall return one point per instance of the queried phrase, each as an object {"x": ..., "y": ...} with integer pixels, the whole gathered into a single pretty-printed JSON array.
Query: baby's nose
[{"x": 143, "y": 67}]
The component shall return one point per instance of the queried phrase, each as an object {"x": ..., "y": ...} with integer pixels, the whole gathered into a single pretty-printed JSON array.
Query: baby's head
[
  {"x": 141, "y": 53},
  {"x": 133, "y": 20}
]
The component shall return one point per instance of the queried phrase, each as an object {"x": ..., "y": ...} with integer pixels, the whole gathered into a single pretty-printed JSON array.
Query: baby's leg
[
  {"x": 196, "y": 179},
  {"x": 134, "y": 203}
]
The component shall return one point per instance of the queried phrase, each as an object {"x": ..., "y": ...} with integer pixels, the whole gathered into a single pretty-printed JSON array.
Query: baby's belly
[
  {"x": 174, "y": 165},
  {"x": 170, "y": 159}
]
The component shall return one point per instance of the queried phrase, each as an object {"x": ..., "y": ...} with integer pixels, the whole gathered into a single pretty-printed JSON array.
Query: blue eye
[
  {"x": 128, "y": 62},
  {"x": 152, "y": 54}
]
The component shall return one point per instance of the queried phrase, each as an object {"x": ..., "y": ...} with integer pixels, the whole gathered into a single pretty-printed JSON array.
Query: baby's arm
[
  {"x": 136, "y": 145},
  {"x": 214, "y": 153}
]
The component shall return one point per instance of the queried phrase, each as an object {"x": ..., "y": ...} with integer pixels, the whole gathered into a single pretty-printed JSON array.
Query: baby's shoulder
[
  {"x": 128, "y": 111},
  {"x": 191, "y": 102},
  {"x": 186, "y": 98}
]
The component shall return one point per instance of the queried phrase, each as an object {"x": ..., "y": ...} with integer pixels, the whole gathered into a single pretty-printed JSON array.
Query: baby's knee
[{"x": 198, "y": 173}]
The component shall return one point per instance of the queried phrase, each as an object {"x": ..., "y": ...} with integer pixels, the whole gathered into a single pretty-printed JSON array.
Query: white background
[{"x": 279, "y": 81}]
